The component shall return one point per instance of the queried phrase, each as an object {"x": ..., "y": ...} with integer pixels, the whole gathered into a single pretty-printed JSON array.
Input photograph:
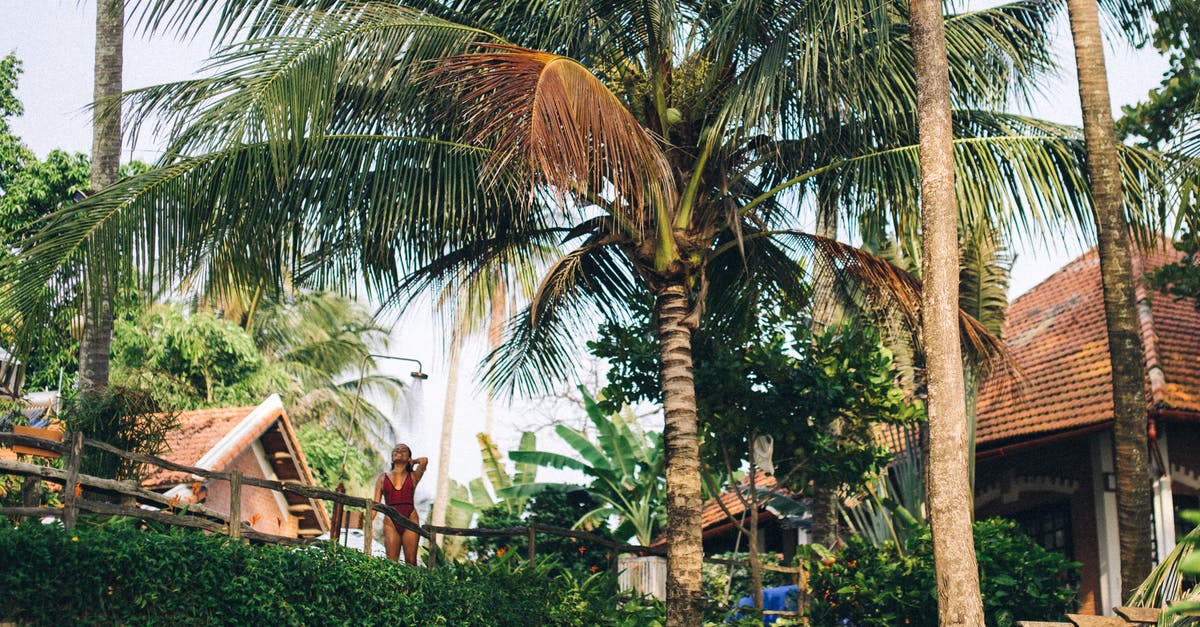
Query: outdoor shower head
[{"x": 419, "y": 375}]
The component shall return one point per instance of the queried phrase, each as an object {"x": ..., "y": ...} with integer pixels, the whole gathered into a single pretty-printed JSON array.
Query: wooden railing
[{"x": 136, "y": 499}]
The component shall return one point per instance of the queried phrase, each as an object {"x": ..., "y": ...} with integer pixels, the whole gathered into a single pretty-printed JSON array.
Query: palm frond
[
  {"x": 984, "y": 270},
  {"x": 549, "y": 114},
  {"x": 592, "y": 282}
]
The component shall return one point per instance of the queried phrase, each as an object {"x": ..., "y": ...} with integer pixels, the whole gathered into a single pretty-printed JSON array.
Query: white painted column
[
  {"x": 1164, "y": 509},
  {"x": 1108, "y": 541}
]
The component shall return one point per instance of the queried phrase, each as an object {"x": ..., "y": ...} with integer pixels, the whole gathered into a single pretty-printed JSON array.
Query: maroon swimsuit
[{"x": 401, "y": 499}]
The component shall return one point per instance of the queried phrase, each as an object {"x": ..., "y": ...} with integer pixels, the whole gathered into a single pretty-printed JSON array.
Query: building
[
  {"x": 1044, "y": 447},
  {"x": 259, "y": 442}
]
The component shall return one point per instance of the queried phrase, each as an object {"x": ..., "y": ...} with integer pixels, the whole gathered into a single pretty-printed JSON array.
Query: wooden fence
[{"x": 135, "y": 500}]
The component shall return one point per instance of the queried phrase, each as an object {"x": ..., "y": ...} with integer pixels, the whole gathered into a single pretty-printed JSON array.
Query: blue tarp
[{"x": 779, "y": 598}]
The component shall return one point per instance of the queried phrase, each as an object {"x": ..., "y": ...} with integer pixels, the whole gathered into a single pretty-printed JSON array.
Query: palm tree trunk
[
  {"x": 94, "y": 346},
  {"x": 496, "y": 317},
  {"x": 1124, "y": 342},
  {"x": 959, "y": 601},
  {"x": 442, "y": 491},
  {"x": 827, "y": 312},
  {"x": 685, "y": 552}
]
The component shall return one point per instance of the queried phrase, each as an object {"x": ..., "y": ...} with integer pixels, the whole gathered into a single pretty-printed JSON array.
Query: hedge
[
  {"x": 867, "y": 586},
  {"x": 115, "y": 574}
]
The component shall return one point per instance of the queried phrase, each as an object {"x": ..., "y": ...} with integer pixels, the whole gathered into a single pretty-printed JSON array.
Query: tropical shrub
[
  {"x": 725, "y": 585},
  {"x": 868, "y": 586},
  {"x": 129, "y": 419},
  {"x": 328, "y": 455},
  {"x": 554, "y": 507},
  {"x": 116, "y": 574}
]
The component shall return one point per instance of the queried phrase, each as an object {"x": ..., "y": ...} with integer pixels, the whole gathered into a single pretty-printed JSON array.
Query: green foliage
[
  {"x": 127, "y": 419},
  {"x": 725, "y": 585},
  {"x": 1182, "y": 279},
  {"x": 1186, "y": 561},
  {"x": 117, "y": 575},
  {"x": 768, "y": 374},
  {"x": 884, "y": 586},
  {"x": 30, "y": 189},
  {"x": 318, "y": 342},
  {"x": 189, "y": 360},
  {"x": 555, "y": 507},
  {"x": 494, "y": 490},
  {"x": 1175, "y": 581},
  {"x": 307, "y": 349},
  {"x": 326, "y": 451},
  {"x": 1167, "y": 109},
  {"x": 624, "y": 465}
]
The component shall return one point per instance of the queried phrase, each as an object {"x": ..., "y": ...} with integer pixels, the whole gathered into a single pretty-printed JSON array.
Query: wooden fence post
[
  {"x": 532, "y": 545},
  {"x": 431, "y": 557},
  {"x": 235, "y": 505},
  {"x": 71, "y": 486},
  {"x": 367, "y": 519},
  {"x": 339, "y": 515}
]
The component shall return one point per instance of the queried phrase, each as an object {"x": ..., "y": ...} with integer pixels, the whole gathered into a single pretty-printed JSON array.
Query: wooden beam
[
  {"x": 1148, "y": 615},
  {"x": 30, "y": 441},
  {"x": 1085, "y": 620},
  {"x": 127, "y": 488},
  {"x": 36, "y": 512}
]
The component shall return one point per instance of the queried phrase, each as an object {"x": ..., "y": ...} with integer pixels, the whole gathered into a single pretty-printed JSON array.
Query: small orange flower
[
  {"x": 594, "y": 568},
  {"x": 582, "y": 550},
  {"x": 78, "y": 490},
  {"x": 501, "y": 551},
  {"x": 195, "y": 487},
  {"x": 174, "y": 502},
  {"x": 254, "y": 519}
]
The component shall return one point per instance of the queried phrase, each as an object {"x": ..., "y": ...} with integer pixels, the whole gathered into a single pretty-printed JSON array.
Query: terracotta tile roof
[
  {"x": 712, "y": 515},
  {"x": 1056, "y": 334},
  {"x": 199, "y": 431}
]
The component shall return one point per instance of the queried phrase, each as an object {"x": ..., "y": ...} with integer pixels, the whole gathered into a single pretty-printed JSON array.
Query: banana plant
[
  {"x": 624, "y": 466},
  {"x": 492, "y": 490}
]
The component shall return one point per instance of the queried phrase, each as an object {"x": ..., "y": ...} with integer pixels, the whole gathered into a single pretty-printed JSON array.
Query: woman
[{"x": 396, "y": 488}]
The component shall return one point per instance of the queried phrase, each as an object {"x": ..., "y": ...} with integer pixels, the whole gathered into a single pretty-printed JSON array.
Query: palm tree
[
  {"x": 320, "y": 341},
  {"x": 476, "y": 300},
  {"x": 949, "y": 495},
  {"x": 94, "y": 345},
  {"x": 1116, "y": 272},
  {"x": 408, "y": 145}
]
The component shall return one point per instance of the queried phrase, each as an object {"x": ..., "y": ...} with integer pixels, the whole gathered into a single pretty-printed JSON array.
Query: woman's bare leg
[
  {"x": 391, "y": 540},
  {"x": 410, "y": 540}
]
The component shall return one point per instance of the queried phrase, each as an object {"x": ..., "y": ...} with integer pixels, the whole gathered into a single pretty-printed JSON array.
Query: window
[{"x": 1049, "y": 527}]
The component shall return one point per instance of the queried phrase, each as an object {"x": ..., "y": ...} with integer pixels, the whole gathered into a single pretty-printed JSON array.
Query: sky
[{"x": 55, "y": 38}]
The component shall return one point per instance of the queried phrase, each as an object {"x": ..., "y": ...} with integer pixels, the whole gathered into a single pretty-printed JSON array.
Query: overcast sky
[{"x": 54, "y": 39}]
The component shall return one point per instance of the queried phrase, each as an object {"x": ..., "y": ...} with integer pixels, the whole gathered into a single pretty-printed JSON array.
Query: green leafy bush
[
  {"x": 887, "y": 586},
  {"x": 717, "y": 577},
  {"x": 554, "y": 507},
  {"x": 128, "y": 419},
  {"x": 116, "y": 574}
]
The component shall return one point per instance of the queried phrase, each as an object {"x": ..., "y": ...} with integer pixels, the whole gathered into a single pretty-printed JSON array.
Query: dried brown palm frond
[
  {"x": 889, "y": 289},
  {"x": 551, "y": 115}
]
